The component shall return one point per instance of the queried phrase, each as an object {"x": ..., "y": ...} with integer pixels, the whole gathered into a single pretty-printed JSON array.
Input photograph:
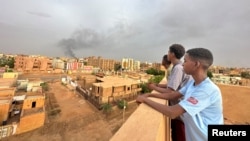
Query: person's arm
[
  {"x": 161, "y": 85},
  {"x": 173, "y": 95},
  {"x": 170, "y": 111},
  {"x": 161, "y": 88}
]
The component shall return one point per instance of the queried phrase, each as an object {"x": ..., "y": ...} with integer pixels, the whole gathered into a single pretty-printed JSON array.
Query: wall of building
[
  {"x": 31, "y": 122},
  {"x": 4, "y": 110},
  {"x": 39, "y": 102},
  {"x": 33, "y": 63},
  {"x": 105, "y": 92},
  {"x": 7, "y": 92},
  {"x": 7, "y": 82}
]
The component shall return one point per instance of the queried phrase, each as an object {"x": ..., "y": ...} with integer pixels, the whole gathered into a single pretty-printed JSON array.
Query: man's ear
[{"x": 198, "y": 63}]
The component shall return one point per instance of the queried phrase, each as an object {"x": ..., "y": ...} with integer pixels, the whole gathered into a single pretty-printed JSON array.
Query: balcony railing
[{"x": 145, "y": 124}]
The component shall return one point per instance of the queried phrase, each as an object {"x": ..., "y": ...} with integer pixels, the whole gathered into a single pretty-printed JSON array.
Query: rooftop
[{"x": 115, "y": 81}]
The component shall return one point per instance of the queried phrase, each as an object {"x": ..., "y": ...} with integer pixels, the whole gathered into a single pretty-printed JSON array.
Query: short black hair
[
  {"x": 178, "y": 50},
  {"x": 165, "y": 60},
  {"x": 202, "y": 55}
]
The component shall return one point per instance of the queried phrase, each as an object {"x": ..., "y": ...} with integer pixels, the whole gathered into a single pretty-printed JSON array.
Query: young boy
[{"x": 176, "y": 80}]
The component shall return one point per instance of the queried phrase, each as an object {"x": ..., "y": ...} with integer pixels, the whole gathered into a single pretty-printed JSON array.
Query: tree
[
  {"x": 106, "y": 108},
  {"x": 155, "y": 71},
  {"x": 122, "y": 103},
  {"x": 117, "y": 67},
  {"x": 209, "y": 74},
  {"x": 7, "y": 61},
  {"x": 245, "y": 74},
  {"x": 145, "y": 88},
  {"x": 45, "y": 86},
  {"x": 11, "y": 62},
  {"x": 156, "y": 79}
]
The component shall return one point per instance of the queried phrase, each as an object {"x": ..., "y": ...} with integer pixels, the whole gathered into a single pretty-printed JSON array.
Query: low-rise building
[
  {"x": 112, "y": 88},
  {"x": 21, "y": 112}
]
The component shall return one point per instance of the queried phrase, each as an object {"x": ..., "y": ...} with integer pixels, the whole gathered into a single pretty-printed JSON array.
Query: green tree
[
  {"x": 245, "y": 74},
  {"x": 7, "y": 61},
  {"x": 45, "y": 86},
  {"x": 145, "y": 88},
  {"x": 155, "y": 71},
  {"x": 156, "y": 79},
  {"x": 209, "y": 74},
  {"x": 121, "y": 103},
  {"x": 117, "y": 67},
  {"x": 106, "y": 108},
  {"x": 11, "y": 62},
  {"x": 2, "y": 62}
]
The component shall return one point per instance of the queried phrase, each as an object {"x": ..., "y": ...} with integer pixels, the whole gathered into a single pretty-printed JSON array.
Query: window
[
  {"x": 128, "y": 88},
  {"x": 33, "y": 104}
]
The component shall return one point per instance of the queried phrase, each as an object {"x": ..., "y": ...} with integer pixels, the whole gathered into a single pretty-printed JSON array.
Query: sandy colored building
[
  {"x": 13, "y": 75},
  {"x": 113, "y": 88},
  {"x": 21, "y": 112},
  {"x": 7, "y": 82},
  {"x": 6, "y": 97},
  {"x": 103, "y": 64},
  {"x": 33, "y": 112},
  {"x": 25, "y": 63}
]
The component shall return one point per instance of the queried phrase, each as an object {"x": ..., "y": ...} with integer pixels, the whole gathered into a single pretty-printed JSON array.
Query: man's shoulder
[
  {"x": 210, "y": 85},
  {"x": 179, "y": 65},
  {"x": 177, "y": 68}
]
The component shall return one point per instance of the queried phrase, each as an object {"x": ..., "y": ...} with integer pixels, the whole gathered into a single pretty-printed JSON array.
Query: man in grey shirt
[{"x": 176, "y": 80}]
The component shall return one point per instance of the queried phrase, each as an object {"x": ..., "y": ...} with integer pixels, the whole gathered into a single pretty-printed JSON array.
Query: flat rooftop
[
  {"x": 109, "y": 81},
  {"x": 34, "y": 96}
]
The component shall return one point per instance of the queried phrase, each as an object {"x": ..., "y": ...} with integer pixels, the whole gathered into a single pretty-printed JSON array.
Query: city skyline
[{"x": 142, "y": 30}]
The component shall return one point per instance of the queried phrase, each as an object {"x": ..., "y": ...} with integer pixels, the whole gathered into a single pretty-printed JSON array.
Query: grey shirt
[{"x": 177, "y": 79}]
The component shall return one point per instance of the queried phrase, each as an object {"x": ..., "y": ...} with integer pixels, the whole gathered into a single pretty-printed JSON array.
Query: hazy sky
[{"x": 139, "y": 29}]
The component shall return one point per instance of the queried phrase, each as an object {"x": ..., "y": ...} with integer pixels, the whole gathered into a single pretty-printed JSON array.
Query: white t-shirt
[{"x": 203, "y": 105}]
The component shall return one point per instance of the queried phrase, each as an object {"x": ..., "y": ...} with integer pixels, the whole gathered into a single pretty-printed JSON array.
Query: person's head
[
  {"x": 165, "y": 62},
  {"x": 197, "y": 58},
  {"x": 177, "y": 50}
]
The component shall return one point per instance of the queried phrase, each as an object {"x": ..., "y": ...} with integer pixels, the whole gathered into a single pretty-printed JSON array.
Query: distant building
[
  {"x": 101, "y": 63},
  {"x": 25, "y": 63},
  {"x": 145, "y": 66},
  {"x": 58, "y": 63},
  {"x": 13, "y": 75},
  {"x": 157, "y": 66},
  {"x": 129, "y": 64}
]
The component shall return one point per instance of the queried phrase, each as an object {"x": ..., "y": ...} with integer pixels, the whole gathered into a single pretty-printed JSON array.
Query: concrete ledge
[{"x": 145, "y": 124}]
